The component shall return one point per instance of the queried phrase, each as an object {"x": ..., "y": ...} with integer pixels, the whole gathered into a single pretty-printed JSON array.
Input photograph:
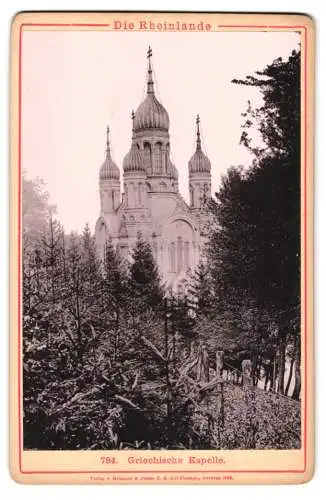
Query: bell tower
[
  {"x": 199, "y": 174},
  {"x": 134, "y": 174},
  {"x": 151, "y": 133},
  {"x": 109, "y": 181}
]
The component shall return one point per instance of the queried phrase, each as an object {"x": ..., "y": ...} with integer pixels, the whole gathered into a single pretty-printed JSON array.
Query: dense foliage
[{"x": 254, "y": 251}]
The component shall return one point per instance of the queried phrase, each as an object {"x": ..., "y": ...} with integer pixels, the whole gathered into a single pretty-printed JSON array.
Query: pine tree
[
  {"x": 44, "y": 345},
  {"x": 254, "y": 250},
  {"x": 82, "y": 319},
  {"x": 36, "y": 210},
  {"x": 278, "y": 119},
  {"x": 114, "y": 295},
  {"x": 200, "y": 291},
  {"x": 145, "y": 283},
  {"x": 52, "y": 261},
  {"x": 91, "y": 274},
  {"x": 115, "y": 278}
]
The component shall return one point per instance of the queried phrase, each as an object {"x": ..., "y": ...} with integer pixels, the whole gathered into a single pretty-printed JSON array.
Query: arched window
[
  {"x": 147, "y": 156},
  {"x": 186, "y": 254},
  {"x": 157, "y": 158},
  {"x": 143, "y": 195},
  {"x": 172, "y": 257},
  {"x": 191, "y": 190},
  {"x": 125, "y": 188},
  {"x": 205, "y": 194},
  {"x": 139, "y": 194},
  {"x": 201, "y": 197},
  {"x": 134, "y": 194},
  {"x": 179, "y": 254},
  {"x": 131, "y": 194}
]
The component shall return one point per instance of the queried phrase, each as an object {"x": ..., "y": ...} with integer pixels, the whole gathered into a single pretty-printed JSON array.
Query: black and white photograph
[{"x": 161, "y": 240}]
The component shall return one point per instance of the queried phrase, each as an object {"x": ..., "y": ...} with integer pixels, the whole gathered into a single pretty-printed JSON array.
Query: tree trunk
[
  {"x": 281, "y": 368},
  {"x": 273, "y": 381},
  {"x": 290, "y": 378},
  {"x": 254, "y": 367},
  {"x": 254, "y": 356},
  {"x": 297, "y": 371}
]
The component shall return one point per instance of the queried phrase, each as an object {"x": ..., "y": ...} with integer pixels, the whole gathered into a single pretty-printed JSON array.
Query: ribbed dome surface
[
  {"x": 151, "y": 114},
  {"x": 133, "y": 160},
  {"x": 109, "y": 169},
  {"x": 199, "y": 163}
]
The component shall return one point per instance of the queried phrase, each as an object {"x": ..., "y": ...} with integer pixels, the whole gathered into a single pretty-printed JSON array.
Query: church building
[{"x": 151, "y": 203}]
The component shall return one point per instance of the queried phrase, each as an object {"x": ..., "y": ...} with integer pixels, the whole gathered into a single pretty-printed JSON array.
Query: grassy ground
[{"x": 247, "y": 418}]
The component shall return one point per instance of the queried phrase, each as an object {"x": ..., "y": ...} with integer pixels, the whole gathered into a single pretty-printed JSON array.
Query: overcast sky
[{"x": 76, "y": 83}]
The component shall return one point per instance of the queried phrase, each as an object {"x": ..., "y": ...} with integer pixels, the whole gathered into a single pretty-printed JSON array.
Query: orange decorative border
[{"x": 304, "y": 259}]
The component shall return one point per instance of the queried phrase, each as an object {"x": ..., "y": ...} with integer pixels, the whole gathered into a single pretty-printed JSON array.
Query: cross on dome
[
  {"x": 151, "y": 114},
  {"x": 133, "y": 122},
  {"x": 150, "y": 83},
  {"x": 198, "y": 146},
  {"x": 107, "y": 140}
]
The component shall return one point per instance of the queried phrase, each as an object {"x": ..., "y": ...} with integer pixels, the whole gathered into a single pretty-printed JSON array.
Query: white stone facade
[{"x": 151, "y": 203}]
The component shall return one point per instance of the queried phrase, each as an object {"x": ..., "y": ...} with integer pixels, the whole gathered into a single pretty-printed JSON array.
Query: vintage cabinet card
[{"x": 161, "y": 248}]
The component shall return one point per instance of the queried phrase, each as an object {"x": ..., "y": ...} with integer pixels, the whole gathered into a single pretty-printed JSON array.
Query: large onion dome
[
  {"x": 133, "y": 161},
  {"x": 109, "y": 169},
  {"x": 151, "y": 114},
  {"x": 199, "y": 163}
]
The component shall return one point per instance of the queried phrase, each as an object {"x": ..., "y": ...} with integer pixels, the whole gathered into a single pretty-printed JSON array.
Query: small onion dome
[
  {"x": 109, "y": 169},
  {"x": 151, "y": 113},
  {"x": 133, "y": 161},
  {"x": 199, "y": 163}
]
